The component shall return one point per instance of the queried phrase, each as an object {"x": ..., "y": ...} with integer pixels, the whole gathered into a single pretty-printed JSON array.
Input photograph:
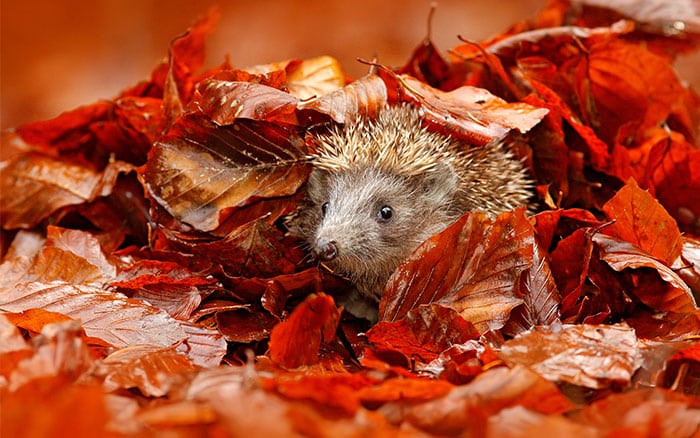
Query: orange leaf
[
  {"x": 296, "y": 341},
  {"x": 423, "y": 334},
  {"x": 34, "y": 186},
  {"x": 473, "y": 266},
  {"x": 593, "y": 356},
  {"x": 670, "y": 294},
  {"x": 199, "y": 169},
  {"x": 642, "y": 221}
]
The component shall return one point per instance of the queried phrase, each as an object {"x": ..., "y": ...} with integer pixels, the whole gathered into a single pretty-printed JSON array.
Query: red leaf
[
  {"x": 111, "y": 317},
  {"x": 226, "y": 101},
  {"x": 683, "y": 371},
  {"x": 540, "y": 296},
  {"x": 592, "y": 356},
  {"x": 199, "y": 170},
  {"x": 630, "y": 85},
  {"x": 255, "y": 249},
  {"x": 338, "y": 391},
  {"x": 186, "y": 56},
  {"x": 34, "y": 186},
  {"x": 69, "y": 132},
  {"x": 61, "y": 350},
  {"x": 642, "y": 221},
  {"x": 464, "y": 410},
  {"x": 296, "y": 341},
  {"x": 473, "y": 267},
  {"x": 154, "y": 371},
  {"x": 672, "y": 294},
  {"x": 470, "y": 113},
  {"x": 364, "y": 97},
  {"x": 423, "y": 334},
  {"x": 409, "y": 391},
  {"x": 245, "y": 325},
  {"x": 644, "y": 412}
]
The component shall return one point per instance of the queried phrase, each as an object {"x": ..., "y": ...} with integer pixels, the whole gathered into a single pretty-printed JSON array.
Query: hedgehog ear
[
  {"x": 317, "y": 183},
  {"x": 441, "y": 181}
]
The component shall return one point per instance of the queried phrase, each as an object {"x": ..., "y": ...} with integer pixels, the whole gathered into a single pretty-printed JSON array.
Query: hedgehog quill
[{"x": 381, "y": 187}]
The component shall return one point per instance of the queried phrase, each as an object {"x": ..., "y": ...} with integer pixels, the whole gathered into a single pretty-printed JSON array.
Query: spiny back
[{"x": 394, "y": 143}]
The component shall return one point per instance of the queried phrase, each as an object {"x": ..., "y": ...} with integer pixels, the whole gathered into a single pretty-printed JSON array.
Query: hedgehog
[{"x": 380, "y": 187}]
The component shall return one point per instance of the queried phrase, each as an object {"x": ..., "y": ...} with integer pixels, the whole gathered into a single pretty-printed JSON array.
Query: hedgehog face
[{"x": 368, "y": 221}]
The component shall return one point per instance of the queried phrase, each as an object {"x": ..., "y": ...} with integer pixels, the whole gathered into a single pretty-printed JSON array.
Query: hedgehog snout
[{"x": 326, "y": 250}]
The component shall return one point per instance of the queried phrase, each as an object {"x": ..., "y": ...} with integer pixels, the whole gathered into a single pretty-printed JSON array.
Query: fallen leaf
[
  {"x": 109, "y": 316},
  {"x": 472, "y": 267},
  {"x": 200, "y": 170},
  {"x": 422, "y": 334},
  {"x": 295, "y": 342},
  {"x": 592, "y": 356},
  {"x": 642, "y": 221},
  {"x": 34, "y": 186},
  {"x": 152, "y": 370}
]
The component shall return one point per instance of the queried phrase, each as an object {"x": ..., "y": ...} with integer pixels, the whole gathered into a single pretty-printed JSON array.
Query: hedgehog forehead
[{"x": 394, "y": 143}]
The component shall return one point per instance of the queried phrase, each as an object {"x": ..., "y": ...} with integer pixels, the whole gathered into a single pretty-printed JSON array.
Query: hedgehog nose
[{"x": 327, "y": 250}]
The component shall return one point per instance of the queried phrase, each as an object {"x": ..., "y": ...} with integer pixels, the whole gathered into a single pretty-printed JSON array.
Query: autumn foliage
[{"x": 147, "y": 283}]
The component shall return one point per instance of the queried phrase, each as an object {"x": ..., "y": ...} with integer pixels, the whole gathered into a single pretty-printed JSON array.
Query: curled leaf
[{"x": 199, "y": 170}]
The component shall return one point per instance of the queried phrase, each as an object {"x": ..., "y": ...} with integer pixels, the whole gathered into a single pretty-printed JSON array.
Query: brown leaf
[
  {"x": 422, "y": 334},
  {"x": 522, "y": 422},
  {"x": 199, "y": 169},
  {"x": 60, "y": 350},
  {"x": 644, "y": 412},
  {"x": 672, "y": 294},
  {"x": 592, "y": 356},
  {"x": 540, "y": 296},
  {"x": 245, "y": 325},
  {"x": 154, "y": 371},
  {"x": 10, "y": 338},
  {"x": 295, "y": 342},
  {"x": 67, "y": 255},
  {"x": 630, "y": 85},
  {"x": 364, "y": 97},
  {"x": 255, "y": 249},
  {"x": 410, "y": 391},
  {"x": 473, "y": 267},
  {"x": 314, "y": 77},
  {"x": 109, "y": 316},
  {"x": 642, "y": 221},
  {"x": 55, "y": 404},
  {"x": 466, "y": 408},
  {"x": 473, "y": 114},
  {"x": 337, "y": 391},
  {"x": 226, "y": 101},
  {"x": 34, "y": 186},
  {"x": 166, "y": 285},
  {"x": 204, "y": 346}
]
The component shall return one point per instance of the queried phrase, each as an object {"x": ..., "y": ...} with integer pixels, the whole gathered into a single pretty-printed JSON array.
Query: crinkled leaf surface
[
  {"x": 472, "y": 267},
  {"x": 199, "y": 169}
]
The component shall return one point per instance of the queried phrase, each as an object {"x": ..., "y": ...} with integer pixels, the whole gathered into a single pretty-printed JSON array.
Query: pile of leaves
[{"x": 147, "y": 283}]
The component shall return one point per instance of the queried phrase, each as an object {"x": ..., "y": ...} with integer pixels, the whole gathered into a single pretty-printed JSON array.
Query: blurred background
[{"x": 56, "y": 55}]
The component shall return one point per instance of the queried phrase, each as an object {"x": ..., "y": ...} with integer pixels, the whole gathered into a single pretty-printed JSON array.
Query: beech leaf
[
  {"x": 34, "y": 186},
  {"x": 471, "y": 113},
  {"x": 199, "y": 169},
  {"x": 593, "y": 356},
  {"x": 364, "y": 97},
  {"x": 423, "y": 334},
  {"x": 472, "y": 266},
  {"x": 641, "y": 220},
  {"x": 109, "y": 316},
  {"x": 296, "y": 341},
  {"x": 620, "y": 255}
]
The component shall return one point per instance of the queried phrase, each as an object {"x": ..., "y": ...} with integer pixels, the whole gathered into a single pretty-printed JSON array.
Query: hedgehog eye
[
  {"x": 324, "y": 209},
  {"x": 385, "y": 213}
]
